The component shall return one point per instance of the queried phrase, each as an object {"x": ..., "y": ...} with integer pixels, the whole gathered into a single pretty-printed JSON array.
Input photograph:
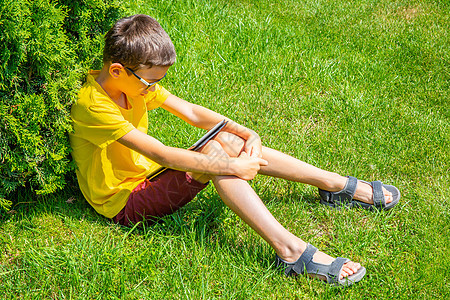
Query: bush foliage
[{"x": 45, "y": 48}]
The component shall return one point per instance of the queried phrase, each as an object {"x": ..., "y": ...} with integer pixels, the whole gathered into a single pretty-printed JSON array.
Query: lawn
[{"x": 356, "y": 87}]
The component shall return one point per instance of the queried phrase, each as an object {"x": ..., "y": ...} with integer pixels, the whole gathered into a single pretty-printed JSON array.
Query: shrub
[{"x": 45, "y": 48}]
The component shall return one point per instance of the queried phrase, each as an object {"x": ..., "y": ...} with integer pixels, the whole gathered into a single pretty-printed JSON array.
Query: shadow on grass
[
  {"x": 66, "y": 203},
  {"x": 206, "y": 219},
  {"x": 209, "y": 221}
]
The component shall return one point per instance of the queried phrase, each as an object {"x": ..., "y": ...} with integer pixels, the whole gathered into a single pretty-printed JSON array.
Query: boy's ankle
[{"x": 291, "y": 253}]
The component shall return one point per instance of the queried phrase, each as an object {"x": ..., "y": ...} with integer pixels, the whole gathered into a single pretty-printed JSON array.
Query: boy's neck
[{"x": 105, "y": 81}]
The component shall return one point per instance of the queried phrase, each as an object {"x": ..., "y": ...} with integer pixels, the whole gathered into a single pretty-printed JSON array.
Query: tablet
[
  {"x": 208, "y": 136},
  {"x": 200, "y": 143}
]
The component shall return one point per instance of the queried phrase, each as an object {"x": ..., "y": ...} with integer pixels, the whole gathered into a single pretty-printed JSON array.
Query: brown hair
[{"x": 138, "y": 42}]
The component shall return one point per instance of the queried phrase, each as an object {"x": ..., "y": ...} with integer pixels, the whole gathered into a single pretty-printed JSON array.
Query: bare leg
[
  {"x": 238, "y": 195},
  {"x": 287, "y": 167}
]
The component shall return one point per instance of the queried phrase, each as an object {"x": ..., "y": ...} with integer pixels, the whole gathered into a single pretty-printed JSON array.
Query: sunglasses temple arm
[{"x": 143, "y": 81}]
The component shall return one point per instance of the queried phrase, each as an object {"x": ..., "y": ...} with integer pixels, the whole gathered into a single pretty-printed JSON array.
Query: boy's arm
[
  {"x": 243, "y": 166},
  {"x": 202, "y": 117}
]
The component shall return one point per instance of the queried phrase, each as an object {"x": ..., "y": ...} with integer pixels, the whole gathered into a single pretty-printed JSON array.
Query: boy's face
[{"x": 132, "y": 86}]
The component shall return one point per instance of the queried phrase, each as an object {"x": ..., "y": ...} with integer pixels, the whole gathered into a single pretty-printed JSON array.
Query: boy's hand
[
  {"x": 248, "y": 166},
  {"x": 253, "y": 145}
]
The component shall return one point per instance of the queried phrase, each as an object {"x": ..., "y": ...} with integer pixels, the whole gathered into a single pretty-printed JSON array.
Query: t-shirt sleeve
[
  {"x": 100, "y": 124},
  {"x": 156, "y": 99}
]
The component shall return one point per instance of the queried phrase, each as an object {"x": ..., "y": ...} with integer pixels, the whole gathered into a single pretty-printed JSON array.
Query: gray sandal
[
  {"x": 305, "y": 265},
  {"x": 345, "y": 197}
]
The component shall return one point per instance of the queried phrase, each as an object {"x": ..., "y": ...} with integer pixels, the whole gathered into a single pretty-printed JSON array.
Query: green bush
[{"x": 45, "y": 48}]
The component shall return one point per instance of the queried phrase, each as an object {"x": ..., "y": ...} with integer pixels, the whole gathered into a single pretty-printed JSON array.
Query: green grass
[{"x": 356, "y": 87}]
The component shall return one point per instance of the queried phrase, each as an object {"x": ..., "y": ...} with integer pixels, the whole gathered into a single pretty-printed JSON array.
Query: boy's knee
[
  {"x": 214, "y": 148},
  {"x": 231, "y": 143}
]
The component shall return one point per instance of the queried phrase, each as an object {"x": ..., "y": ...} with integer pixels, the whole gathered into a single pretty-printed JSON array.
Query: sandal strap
[
  {"x": 305, "y": 264},
  {"x": 378, "y": 195},
  {"x": 334, "y": 271},
  {"x": 300, "y": 265},
  {"x": 350, "y": 186},
  {"x": 348, "y": 191}
]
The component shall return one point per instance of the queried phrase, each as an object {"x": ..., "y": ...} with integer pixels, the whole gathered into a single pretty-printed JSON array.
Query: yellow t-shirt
[{"x": 108, "y": 171}]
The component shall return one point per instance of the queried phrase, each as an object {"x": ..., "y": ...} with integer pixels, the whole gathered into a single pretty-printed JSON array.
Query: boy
[{"x": 115, "y": 155}]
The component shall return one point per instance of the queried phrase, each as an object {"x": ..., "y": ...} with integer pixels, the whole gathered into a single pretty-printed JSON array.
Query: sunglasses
[{"x": 149, "y": 85}]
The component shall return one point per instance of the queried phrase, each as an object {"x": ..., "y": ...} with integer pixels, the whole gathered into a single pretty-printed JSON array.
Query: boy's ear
[{"x": 116, "y": 69}]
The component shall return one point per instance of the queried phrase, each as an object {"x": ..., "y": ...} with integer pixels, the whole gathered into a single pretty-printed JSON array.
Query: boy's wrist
[{"x": 233, "y": 166}]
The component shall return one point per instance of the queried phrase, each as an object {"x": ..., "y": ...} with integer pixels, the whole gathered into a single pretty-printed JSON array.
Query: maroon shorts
[{"x": 158, "y": 197}]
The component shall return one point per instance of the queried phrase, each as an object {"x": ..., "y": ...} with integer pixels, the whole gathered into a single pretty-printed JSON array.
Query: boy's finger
[
  {"x": 263, "y": 162},
  {"x": 243, "y": 154},
  {"x": 256, "y": 154},
  {"x": 249, "y": 150}
]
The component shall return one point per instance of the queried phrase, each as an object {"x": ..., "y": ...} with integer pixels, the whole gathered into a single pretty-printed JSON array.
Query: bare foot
[
  {"x": 364, "y": 193},
  {"x": 348, "y": 269}
]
